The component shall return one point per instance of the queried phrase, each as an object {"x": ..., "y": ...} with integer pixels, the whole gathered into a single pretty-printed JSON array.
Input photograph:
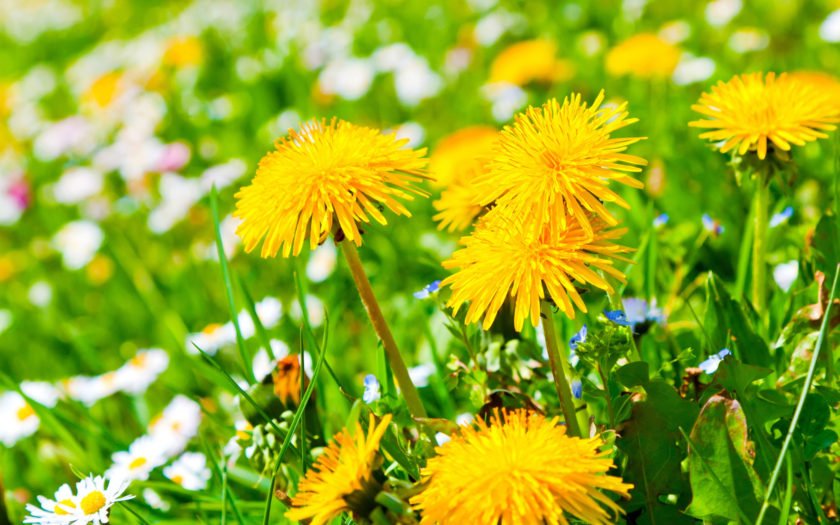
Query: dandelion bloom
[
  {"x": 342, "y": 473},
  {"x": 455, "y": 164},
  {"x": 530, "y": 61},
  {"x": 328, "y": 171},
  {"x": 500, "y": 259},
  {"x": 557, "y": 161},
  {"x": 645, "y": 56},
  {"x": 752, "y": 113},
  {"x": 521, "y": 468}
]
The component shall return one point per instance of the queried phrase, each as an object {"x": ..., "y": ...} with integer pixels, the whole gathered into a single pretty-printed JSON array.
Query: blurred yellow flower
[
  {"x": 458, "y": 206},
  {"x": 501, "y": 259},
  {"x": 455, "y": 163},
  {"x": 326, "y": 172},
  {"x": 462, "y": 154},
  {"x": 823, "y": 81},
  {"x": 644, "y": 56},
  {"x": 752, "y": 112},
  {"x": 286, "y": 379},
  {"x": 342, "y": 477},
  {"x": 521, "y": 468},
  {"x": 183, "y": 51},
  {"x": 557, "y": 161},
  {"x": 530, "y": 61},
  {"x": 104, "y": 90}
]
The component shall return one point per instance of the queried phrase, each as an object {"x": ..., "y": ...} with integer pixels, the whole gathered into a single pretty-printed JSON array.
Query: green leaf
[
  {"x": 633, "y": 374},
  {"x": 651, "y": 441},
  {"x": 723, "y": 484},
  {"x": 727, "y": 326},
  {"x": 826, "y": 245}
]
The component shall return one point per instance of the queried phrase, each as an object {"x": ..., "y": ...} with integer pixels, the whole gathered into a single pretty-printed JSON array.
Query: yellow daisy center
[
  {"x": 93, "y": 502},
  {"x": 64, "y": 503},
  {"x": 179, "y": 479},
  {"x": 25, "y": 412},
  {"x": 137, "y": 463}
]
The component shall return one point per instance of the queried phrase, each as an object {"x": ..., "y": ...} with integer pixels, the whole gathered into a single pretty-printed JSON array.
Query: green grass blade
[
  {"x": 251, "y": 306},
  {"x": 223, "y": 263}
]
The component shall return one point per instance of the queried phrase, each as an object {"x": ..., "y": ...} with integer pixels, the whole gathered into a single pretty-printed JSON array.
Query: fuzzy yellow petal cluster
[
  {"x": 530, "y": 61},
  {"x": 328, "y": 172},
  {"x": 645, "y": 55},
  {"x": 754, "y": 112},
  {"x": 345, "y": 468},
  {"x": 521, "y": 469}
]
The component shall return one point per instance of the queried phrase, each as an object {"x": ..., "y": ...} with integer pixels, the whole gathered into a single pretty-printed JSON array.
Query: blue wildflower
[
  {"x": 638, "y": 312},
  {"x": 712, "y": 225},
  {"x": 577, "y": 388},
  {"x": 618, "y": 317},
  {"x": 782, "y": 216},
  {"x": 428, "y": 290},
  {"x": 711, "y": 364},
  {"x": 579, "y": 337},
  {"x": 660, "y": 220},
  {"x": 372, "y": 389}
]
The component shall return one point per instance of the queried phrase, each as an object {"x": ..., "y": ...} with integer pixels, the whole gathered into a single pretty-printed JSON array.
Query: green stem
[
  {"x": 412, "y": 397},
  {"x": 809, "y": 379},
  {"x": 558, "y": 370},
  {"x": 761, "y": 200}
]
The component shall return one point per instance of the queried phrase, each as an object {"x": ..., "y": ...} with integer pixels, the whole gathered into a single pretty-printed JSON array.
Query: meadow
[{"x": 380, "y": 261}]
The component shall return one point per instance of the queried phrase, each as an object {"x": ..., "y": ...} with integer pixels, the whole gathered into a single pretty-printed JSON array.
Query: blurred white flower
[
  {"x": 77, "y": 184},
  {"x": 412, "y": 131},
  {"x": 349, "y": 78},
  {"x": 749, "y": 39},
  {"x": 222, "y": 175},
  {"x": 155, "y": 501},
  {"x": 721, "y": 12},
  {"x": 420, "y": 374},
  {"x": 90, "y": 389},
  {"x": 18, "y": 417},
  {"x": 40, "y": 294},
  {"x": 176, "y": 425},
  {"x": 142, "y": 457},
  {"x": 179, "y": 194},
  {"x": 45, "y": 393},
  {"x": 675, "y": 32},
  {"x": 830, "y": 28},
  {"x": 490, "y": 28},
  {"x": 415, "y": 81},
  {"x": 135, "y": 376},
  {"x": 785, "y": 274},
  {"x": 464, "y": 419},
  {"x": 5, "y": 320},
  {"x": 506, "y": 99},
  {"x": 314, "y": 309},
  {"x": 457, "y": 60},
  {"x": 71, "y": 135},
  {"x": 78, "y": 242},
  {"x": 189, "y": 471},
  {"x": 691, "y": 69},
  {"x": 322, "y": 262},
  {"x": 14, "y": 198},
  {"x": 389, "y": 58},
  {"x": 441, "y": 438}
]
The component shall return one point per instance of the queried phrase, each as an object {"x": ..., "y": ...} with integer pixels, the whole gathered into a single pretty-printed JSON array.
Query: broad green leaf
[
  {"x": 727, "y": 326},
  {"x": 633, "y": 374},
  {"x": 723, "y": 484}
]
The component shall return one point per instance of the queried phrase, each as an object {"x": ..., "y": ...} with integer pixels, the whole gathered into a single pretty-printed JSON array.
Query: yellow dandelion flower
[
  {"x": 823, "y": 81},
  {"x": 645, "y": 55},
  {"x": 328, "y": 171},
  {"x": 752, "y": 112},
  {"x": 458, "y": 206},
  {"x": 522, "y": 468},
  {"x": 342, "y": 478},
  {"x": 556, "y": 161},
  {"x": 500, "y": 259},
  {"x": 183, "y": 51},
  {"x": 530, "y": 61},
  {"x": 461, "y": 154}
]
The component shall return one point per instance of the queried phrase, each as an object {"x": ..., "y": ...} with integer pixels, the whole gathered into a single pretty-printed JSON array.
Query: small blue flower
[
  {"x": 660, "y": 220},
  {"x": 638, "y": 311},
  {"x": 428, "y": 290},
  {"x": 577, "y": 388},
  {"x": 372, "y": 392},
  {"x": 782, "y": 216},
  {"x": 712, "y": 225},
  {"x": 618, "y": 317},
  {"x": 579, "y": 337},
  {"x": 711, "y": 364}
]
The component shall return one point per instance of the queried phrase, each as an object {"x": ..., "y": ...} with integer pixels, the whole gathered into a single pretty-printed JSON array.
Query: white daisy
[
  {"x": 78, "y": 242},
  {"x": 142, "y": 370},
  {"x": 189, "y": 470},
  {"x": 322, "y": 262},
  {"x": 143, "y": 456},
  {"x": 18, "y": 417},
  {"x": 95, "y": 499},
  {"x": 90, "y": 389},
  {"x": 53, "y": 511},
  {"x": 176, "y": 425}
]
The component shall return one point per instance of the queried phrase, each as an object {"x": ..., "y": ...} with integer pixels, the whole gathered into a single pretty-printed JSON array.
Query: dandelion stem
[
  {"x": 558, "y": 370},
  {"x": 412, "y": 398},
  {"x": 761, "y": 200}
]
